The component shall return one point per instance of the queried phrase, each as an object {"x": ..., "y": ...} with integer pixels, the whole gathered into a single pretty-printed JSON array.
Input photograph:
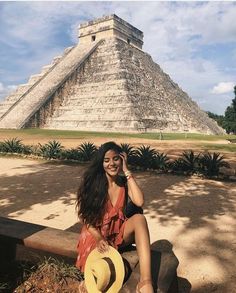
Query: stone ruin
[{"x": 105, "y": 83}]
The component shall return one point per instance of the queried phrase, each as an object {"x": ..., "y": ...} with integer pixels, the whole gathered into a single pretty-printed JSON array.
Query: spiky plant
[
  {"x": 188, "y": 163},
  {"x": 210, "y": 164},
  {"x": 146, "y": 157},
  {"x": 87, "y": 151},
  {"x": 72, "y": 154},
  {"x": 131, "y": 153},
  {"x": 161, "y": 162},
  {"x": 51, "y": 150},
  {"x": 13, "y": 145}
]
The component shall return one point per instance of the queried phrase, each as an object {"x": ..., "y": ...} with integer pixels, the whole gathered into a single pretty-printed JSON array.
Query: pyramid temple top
[{"x": 110, "y": 26}]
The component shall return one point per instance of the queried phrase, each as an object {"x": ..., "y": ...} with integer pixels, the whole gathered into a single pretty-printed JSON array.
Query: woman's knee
[{"x": 139, "y": 218}]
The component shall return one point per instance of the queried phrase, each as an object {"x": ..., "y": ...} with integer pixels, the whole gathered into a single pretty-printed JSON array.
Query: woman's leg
[{"x": 136, "y": 229}]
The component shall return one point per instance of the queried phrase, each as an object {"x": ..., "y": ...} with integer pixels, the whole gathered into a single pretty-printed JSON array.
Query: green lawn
[
  {"x": 220, "y": 147},
  {"x": 200, "y": 139},
  {"x": 57, "y": 134}
]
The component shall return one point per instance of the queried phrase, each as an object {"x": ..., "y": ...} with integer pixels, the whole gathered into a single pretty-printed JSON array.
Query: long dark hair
[{"x": 93, "y": 189}]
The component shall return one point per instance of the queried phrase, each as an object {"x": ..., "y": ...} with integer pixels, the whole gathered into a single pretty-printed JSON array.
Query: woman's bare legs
[{"x": 136, "y": 229}]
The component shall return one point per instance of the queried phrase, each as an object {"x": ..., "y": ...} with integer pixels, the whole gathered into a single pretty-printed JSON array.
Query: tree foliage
[
  {"x": 218, "y": 118},
  {"x": 230, "y": 116},
  {"x": 227, "y": 121}
]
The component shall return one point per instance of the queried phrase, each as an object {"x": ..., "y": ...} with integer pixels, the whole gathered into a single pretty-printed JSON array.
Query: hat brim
[{"x": 116, "y": 259}]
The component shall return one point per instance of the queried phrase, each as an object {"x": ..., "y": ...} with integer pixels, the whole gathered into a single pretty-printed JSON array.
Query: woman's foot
[{"x": 145, "y": 286}]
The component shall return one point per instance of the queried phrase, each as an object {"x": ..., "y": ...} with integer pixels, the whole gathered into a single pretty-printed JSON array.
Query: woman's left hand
[{"x": 123, "y": 156}]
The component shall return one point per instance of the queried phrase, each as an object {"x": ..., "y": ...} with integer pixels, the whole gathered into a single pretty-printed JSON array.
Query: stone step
[
  {"x": 56, "y": 59},
  {"x": 97, "y": 125},
  {"x": 45, "y": 69},
  {"x": 34, "y": 78},
  {"x": 21, "y": 89},
  {"x": 26, "y": 107}
]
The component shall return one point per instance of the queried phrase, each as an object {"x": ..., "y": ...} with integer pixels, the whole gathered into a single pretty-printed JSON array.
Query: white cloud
[
  {"x": 176, "y": 34},
  {"x": 6, "y": 90},
  {"x": 223, "y": 88}
]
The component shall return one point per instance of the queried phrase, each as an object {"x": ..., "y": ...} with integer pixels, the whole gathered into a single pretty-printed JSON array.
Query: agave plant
[
  {"x": 146, "y": 157},
  {"x": 131, "y": 153},
  {"x": 13, "y": 145},
  {"x": 72, "y": 154},
  {"x": 161, "y": 161},
  {"x": 87, "y": 151},
  {"x": 51, "y": 150},
  {"x": 210, "y": 164},
  {"x": 187, "y": 163}
]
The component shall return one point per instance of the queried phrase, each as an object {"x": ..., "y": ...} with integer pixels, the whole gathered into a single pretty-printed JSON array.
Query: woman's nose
[{"x": 112, "y": 163}]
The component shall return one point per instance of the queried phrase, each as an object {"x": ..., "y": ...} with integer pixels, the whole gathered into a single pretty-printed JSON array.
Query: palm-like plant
[
  {"x": 72, "y": 154},
  {"x": 187, "y": 163},
  {"x": 146, "y": 157},
  {"x": 13, "y": 145},
  {"x": 131, "y": 153},
  {"x": 161, "y": 161},
  {"x": 87, "y": 151},
  {"x": 210, "y": 164},
  {"x": 51, "y": 150}
]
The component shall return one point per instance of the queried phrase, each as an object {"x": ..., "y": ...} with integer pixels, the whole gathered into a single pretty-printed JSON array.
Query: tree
[
  {"x": 218, "y": 118},
  {"x": 230, "y": 116}
]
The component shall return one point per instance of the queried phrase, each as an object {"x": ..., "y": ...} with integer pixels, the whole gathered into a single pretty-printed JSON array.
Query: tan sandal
[{"x": 143, "y": 283}]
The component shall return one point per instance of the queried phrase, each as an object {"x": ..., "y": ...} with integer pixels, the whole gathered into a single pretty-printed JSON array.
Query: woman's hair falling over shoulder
[{"x": 93, "y": 189}]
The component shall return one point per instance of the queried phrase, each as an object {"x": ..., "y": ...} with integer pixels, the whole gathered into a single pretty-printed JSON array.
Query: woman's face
[{"x": 112, "y": 163}]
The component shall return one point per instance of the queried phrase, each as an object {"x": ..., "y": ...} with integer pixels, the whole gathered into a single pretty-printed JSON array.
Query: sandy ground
[{"x": 197, "y": 216}]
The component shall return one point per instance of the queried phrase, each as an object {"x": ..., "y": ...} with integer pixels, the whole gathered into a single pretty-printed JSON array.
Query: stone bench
[{"x": 63, "y": 243}]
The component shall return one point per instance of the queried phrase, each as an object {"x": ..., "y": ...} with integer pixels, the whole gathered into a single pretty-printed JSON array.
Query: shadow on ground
[{"x": 201, "y": 214}]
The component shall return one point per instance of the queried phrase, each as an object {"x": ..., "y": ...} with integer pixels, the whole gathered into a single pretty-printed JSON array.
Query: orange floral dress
[{"x": 112, "y": 229}]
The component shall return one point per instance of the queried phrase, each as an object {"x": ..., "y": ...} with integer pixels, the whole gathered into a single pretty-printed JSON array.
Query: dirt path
[{"x": 196, "y": 216}]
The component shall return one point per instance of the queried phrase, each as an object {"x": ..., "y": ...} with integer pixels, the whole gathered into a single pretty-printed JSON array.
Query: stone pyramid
[{"x": 105, "y": 83}]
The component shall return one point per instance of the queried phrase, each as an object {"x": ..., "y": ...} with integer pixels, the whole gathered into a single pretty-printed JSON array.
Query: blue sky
[{"x": 193, "y": 42}]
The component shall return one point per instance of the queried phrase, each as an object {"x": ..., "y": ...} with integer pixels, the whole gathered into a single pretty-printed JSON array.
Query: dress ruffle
[{"x": 112, "y": 229}]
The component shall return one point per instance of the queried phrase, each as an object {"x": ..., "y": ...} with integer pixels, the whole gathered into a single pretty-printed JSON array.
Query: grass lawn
[
  {"x": 181, "y": 141},
  {"x": 52, "y": 134}
]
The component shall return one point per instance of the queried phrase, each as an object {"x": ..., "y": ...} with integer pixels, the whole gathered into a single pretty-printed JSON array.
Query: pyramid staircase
[
  {"x": 28, "y": 98},
  {"x": 122, "y": 89}
]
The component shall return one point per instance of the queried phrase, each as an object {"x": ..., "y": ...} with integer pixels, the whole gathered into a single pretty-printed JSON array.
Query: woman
[{"x": 101, "y": 201}]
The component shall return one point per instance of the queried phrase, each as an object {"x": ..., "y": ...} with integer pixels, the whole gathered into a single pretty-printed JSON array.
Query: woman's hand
[
  {"x": 123, "y": 156},
  {"x": 102, "y": 246}
]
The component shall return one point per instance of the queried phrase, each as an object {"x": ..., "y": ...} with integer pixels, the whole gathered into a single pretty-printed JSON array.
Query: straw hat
[{"x": 104, "y": 272}]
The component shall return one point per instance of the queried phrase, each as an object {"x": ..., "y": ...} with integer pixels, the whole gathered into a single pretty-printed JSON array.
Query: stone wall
[{"x": 110, "y": 26}]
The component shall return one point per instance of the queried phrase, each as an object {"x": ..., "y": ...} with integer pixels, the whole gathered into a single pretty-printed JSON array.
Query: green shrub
[
  {"x": 210, "y": 164},
  {"x": 188, "y": 163},
  {"x": 145, "y": 157},
  {"x": 131, "y": 153},
  {"x": 161, "y": 162},
  {"x": 51, "y": 150},
  {"x": 15, "y": 145},
  {"x": 87, "y": 151},
  {"x": 72, "y": 154}
]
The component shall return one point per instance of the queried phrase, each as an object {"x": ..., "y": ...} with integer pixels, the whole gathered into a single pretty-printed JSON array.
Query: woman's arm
[
  {"x": 134, "y": 191},
  {"x": 102, "y": 244}
]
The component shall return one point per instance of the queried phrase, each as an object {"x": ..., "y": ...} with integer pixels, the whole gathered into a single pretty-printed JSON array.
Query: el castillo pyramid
[{"x": 105, "y": 83}]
